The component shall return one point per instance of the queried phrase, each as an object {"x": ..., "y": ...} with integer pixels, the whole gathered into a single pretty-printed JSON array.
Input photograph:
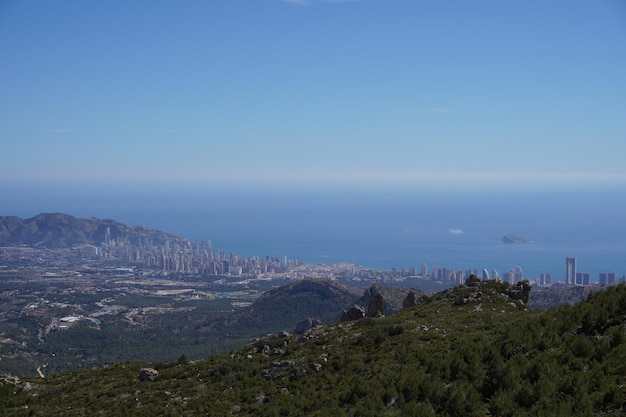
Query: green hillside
[
  {"x": 283, "y": 307},
  {"x": 141, "y": 323},
  {"x": 468, "y": 351}
]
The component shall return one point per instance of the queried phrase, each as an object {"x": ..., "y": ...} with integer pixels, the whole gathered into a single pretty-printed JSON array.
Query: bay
[{"x": 383, "y": 230}]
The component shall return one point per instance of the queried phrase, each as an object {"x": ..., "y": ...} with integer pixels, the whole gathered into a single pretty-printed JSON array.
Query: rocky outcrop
[
  {"x": 148, "y": 374},
  {"x": 9, "y": 379},
  {"x": 473, "y": 281},
  {"x": 303, "y": 326},
  {"x": 521, "y": 291},
  {"x": 356, "y": 312},
  {"x": 376, "y": 306},
  {"x": 393, "y": 297},
  {"x": 518, "y": 292},
  {"x": 409, "y": 301}
]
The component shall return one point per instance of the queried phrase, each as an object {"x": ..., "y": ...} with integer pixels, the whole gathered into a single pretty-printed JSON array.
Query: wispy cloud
[{"x": 456, "y": 231}]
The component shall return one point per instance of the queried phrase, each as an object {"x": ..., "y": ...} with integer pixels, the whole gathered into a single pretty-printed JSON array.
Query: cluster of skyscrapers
[
  {"x": 573, "y": 277},
  {"x": 458, "y": 277},
  {"x": 183, "y": 256},
  {"x": 516, "y": 274}
]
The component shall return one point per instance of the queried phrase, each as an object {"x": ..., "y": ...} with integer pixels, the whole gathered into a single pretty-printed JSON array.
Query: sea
[{"x": 381, "y": 229}]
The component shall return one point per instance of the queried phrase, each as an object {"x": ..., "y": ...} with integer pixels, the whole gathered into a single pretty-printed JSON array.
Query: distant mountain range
[{"x": 56, "y": 230}]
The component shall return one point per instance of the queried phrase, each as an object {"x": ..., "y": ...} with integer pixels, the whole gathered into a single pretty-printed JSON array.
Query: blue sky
[{"x": 314, "y": 94}]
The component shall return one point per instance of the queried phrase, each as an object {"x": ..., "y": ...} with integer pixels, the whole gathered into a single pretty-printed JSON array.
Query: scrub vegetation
[{"x": 467, "y": 351}]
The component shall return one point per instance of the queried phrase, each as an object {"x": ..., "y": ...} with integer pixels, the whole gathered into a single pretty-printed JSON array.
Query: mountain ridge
[{"x": 59, "y": 230}]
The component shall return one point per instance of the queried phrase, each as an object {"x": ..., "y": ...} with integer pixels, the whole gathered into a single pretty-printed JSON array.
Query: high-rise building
[
  {"x": 582, "y": 278},
  {"x": 424, "y": 270},
  {"x": 485, "y": 274},
  {"x": 495, "y": 276},
  {"x": 602, "y": 278},
  {"x": 435, "y": 274},
  {"x": 509, "y": 276},
  {"x": 610, "y": 278},
  {"x": 458, "y": 277},
  {"x": 518, "y": 274},
  {"x": 570, "y": 270}
]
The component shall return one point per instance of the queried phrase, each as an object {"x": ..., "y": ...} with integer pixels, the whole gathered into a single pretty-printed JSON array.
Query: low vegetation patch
[{"x": 443, "y": 357}]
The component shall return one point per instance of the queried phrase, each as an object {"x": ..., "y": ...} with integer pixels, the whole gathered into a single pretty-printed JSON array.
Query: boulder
[
  {"x": 283, "y": 364},
  {"x": 148, "y": 374},
  {"x": 392, "y": 297},
  {"x": 27, "y": 387},
  {"x": 521, "y": 291},
  {"x": 356, "y": 312},
  {"x": 303, "y": 326},
  {"x": 9, "y": 379},
  {"x": 473, "y": 281}
]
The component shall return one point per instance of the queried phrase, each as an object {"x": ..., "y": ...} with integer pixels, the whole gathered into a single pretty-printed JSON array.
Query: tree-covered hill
[
  {"x": 283, "y": 307},
  {"x": 469, "y": 351}
]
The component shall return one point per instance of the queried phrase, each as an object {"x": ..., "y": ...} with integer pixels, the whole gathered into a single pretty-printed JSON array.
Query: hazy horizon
[
  {"x": 262, "y": 122},
  {"x": 382, "y": 230}
]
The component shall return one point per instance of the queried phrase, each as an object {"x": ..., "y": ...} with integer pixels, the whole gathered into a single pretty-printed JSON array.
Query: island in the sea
[{"x": 514, "y": 239}]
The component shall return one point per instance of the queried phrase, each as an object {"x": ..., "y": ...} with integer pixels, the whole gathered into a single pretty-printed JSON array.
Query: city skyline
[
  {"x": 201, "y": 259},
  {"x": 315, "y": 94}
]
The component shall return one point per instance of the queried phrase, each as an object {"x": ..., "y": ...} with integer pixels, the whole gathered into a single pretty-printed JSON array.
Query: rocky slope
[{"x": 472, "y": 350}]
